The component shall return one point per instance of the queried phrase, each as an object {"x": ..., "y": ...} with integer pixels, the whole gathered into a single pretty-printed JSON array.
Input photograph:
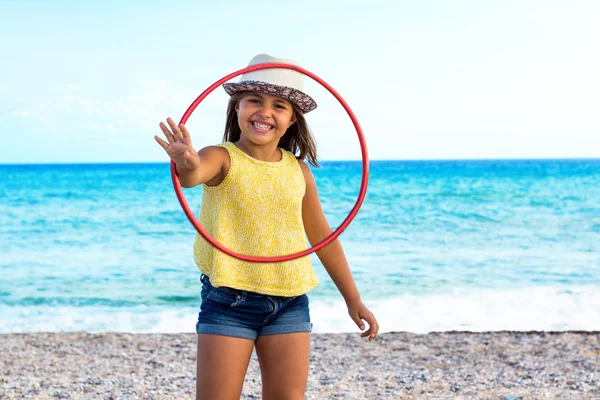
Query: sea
[{"x": 483, "y": 245}]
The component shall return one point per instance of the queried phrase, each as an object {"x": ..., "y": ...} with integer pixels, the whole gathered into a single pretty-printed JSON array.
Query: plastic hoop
[{"x": 335, "y": 233}]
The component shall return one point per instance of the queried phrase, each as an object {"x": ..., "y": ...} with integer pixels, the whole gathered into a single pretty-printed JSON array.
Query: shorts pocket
[{"x": 224, "y": 297}]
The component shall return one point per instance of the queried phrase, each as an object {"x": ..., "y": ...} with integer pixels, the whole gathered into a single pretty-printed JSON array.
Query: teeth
[{"x": 262, "y": 126}]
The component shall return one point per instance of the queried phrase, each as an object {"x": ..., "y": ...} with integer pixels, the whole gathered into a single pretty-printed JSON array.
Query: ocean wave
[{"x": 524, "y": 309}]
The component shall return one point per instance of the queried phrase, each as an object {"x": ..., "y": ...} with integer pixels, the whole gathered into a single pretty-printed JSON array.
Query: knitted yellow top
[{"x": 256, "y": 211}]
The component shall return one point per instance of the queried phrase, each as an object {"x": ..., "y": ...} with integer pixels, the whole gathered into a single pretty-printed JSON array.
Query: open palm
[{"x": 179, "y": 145}]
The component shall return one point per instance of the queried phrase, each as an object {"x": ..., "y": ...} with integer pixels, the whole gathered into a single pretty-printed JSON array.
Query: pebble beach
[{"x": 397, "y": 365}]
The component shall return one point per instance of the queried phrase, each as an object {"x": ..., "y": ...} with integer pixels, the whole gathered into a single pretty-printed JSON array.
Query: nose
[{"x": 265, "y": 111}]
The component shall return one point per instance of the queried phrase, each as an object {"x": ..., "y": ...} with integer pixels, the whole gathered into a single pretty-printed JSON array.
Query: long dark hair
[{"x": 297, "y": 138}]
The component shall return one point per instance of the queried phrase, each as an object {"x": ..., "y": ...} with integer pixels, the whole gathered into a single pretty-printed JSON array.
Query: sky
[{"x": 87, "y": 82}]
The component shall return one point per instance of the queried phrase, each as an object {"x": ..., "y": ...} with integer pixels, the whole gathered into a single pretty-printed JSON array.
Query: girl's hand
[
  {"x": 359, "y": 313},
  {"x": 180, "y": 147}
]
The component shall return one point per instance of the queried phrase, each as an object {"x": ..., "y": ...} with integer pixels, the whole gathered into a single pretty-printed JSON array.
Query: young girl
[{"x": 259, "y": 198}]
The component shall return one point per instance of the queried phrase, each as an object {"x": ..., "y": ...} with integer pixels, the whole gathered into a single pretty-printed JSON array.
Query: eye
[
  {"x": 253, "y": 100},
  {"x": 281, "y": 106}
]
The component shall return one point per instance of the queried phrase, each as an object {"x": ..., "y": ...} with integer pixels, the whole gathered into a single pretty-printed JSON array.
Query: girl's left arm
[{"x": 332, "y": 256}]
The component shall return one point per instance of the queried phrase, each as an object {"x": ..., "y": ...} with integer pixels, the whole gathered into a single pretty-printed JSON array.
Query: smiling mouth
[{"x": 260, "y": 127}]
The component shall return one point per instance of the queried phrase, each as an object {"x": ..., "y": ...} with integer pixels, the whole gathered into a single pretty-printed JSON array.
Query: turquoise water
[{"x": 469, "y": 245}]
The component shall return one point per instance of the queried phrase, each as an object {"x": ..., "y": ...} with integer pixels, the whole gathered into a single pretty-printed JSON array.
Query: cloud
[{"x": 139, "y": 108}]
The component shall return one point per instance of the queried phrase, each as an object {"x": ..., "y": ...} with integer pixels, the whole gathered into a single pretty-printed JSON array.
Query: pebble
[{"x": 398, "y": 365}]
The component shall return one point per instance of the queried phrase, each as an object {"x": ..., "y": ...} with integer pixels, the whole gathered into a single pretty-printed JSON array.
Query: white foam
[
  {"x": 139, "y": 319},
  {"x": 535, "y": 308}
]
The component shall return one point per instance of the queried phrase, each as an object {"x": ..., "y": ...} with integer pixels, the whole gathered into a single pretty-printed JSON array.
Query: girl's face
[{"x": 264, "y": 118}]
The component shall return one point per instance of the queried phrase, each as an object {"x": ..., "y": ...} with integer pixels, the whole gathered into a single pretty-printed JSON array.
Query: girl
[{"x": 259, "y": 198}]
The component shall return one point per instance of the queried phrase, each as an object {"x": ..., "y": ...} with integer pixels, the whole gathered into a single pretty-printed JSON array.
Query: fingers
[
  {"x": 162, "y": 143},
  {"x": 370, "y": 319},
  {"x": 176, "y": 131},
  {"x": 184, "y": 131},
  {"x": 357, "y": 321},
  {"x": 167, "y": 132},
  {"x": 193, "y": 160},
  {"x": 373, "y": 327}
]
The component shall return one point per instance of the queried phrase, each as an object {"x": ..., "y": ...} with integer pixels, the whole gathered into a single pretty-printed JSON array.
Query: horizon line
[{"x": 320, "y": 161}]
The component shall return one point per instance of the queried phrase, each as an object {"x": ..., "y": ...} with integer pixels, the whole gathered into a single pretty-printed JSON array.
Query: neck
[{"x": 267, "y": 152}]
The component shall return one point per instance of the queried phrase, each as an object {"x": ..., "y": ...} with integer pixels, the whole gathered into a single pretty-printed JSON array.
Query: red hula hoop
[{"x": 328, "y": 239}]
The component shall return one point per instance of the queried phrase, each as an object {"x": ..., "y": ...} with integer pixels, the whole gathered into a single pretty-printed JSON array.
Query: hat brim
[{"x": 301, "y": 99}]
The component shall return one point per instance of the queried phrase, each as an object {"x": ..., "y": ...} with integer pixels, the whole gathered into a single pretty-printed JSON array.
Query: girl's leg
[
  {"x": 283, "y": 362},
  {"x": 222, "y": 362}
]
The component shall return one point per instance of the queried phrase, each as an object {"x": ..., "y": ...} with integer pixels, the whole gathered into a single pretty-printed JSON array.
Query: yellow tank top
[{"x": 257, "y": 211}]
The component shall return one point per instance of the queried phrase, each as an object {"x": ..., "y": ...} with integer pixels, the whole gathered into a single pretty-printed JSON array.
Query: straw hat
[{"x": 281, "y": 82}]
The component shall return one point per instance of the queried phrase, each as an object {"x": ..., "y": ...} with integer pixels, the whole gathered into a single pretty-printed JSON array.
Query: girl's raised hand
[{"x": 179, "y": 146}]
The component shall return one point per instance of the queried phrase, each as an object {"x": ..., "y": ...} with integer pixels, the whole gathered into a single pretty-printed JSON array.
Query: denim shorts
[{"x": 242, "y": 314}]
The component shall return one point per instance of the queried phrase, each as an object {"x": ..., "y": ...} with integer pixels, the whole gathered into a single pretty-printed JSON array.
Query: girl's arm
[
  {"x": 332, "y": 256},
  {"x": 192, "y": 168},
  {"x": 211, "y": 167}
]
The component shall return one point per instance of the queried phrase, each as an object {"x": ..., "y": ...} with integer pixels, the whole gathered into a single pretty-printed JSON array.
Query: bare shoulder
[
  {"x": 217, "y": 163},
  {"x": 308, "y": 175},
  {"x": 213, "y": 152},
  {"x": 305, "y": 168}
]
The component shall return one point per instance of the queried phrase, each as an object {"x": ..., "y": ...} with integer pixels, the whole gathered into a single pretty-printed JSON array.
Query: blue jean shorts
[{"x": 242, "y": 314}]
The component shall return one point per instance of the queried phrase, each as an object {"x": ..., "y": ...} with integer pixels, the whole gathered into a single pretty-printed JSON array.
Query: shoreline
[{"x": 397, "y": 365}]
